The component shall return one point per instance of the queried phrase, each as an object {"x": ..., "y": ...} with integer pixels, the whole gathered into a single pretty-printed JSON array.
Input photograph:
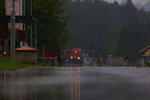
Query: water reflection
[
  {"x": 75, "y": 85},
  {"x": 41, "y": 84},
  {"x": 72, "y": 83}
]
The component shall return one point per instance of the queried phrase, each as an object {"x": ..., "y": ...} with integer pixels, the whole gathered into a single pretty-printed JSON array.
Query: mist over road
[
  {"x": 134, "y": 1},
  {"x": 76, "y": 83}
]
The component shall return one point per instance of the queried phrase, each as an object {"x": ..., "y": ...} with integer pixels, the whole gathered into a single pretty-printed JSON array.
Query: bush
[{"x": 147, "y": 63}]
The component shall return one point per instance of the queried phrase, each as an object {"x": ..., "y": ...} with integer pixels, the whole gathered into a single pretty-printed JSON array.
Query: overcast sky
[{"x": 134, "y": 1}]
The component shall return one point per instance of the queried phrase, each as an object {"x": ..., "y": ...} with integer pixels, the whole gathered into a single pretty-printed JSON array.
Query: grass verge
[{"x": 6, "y": 63}]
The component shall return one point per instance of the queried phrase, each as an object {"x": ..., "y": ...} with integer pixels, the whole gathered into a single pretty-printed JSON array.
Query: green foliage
[
  {"x": 2, "y": 7},
  {"x": 52, "y": 24},
  {"x": 112, "y": 28},
  {"x": 147, "y": 63}
]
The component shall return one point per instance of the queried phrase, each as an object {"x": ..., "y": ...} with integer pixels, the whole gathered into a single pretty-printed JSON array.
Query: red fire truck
[{"x": 76, "y": 56}]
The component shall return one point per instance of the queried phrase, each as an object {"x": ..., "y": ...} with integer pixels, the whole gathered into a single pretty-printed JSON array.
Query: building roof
[
  {"x": 26, "y": 48},
  {"x": 145, "y": 49}
]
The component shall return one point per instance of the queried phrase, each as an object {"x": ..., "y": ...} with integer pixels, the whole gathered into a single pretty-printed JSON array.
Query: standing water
[{"x": 76, "y": 83}]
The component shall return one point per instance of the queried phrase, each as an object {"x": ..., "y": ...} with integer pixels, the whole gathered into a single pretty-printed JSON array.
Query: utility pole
[
  {"x": 31, "y": 34},
  {"x": 35, "y": 38},
  {"x": 13, "y": 33},
  {"x": 24, "y": 13},
  {"x": 24, "y": 7},
  {"x": 43, "y": 59}
]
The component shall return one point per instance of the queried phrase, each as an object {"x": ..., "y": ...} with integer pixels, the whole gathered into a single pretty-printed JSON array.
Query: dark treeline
[{"x": 120, "y": 30}]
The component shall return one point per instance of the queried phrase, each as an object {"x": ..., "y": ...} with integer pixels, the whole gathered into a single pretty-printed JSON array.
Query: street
[{"x": 76, "y": 83}]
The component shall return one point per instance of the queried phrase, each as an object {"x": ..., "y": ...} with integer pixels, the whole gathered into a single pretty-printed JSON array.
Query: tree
[
  {"x": 129, "y": 3},
  {"x": 2, "y": 7},
  {"x": 116, "y": 29},
  {"x": 125, "y": 43},
  {"x": 116, "y": 3},
  {"x": 52, "y": 25}
]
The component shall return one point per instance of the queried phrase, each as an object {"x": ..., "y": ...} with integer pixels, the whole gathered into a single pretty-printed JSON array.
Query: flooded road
[{"x": 76, "y": 83}]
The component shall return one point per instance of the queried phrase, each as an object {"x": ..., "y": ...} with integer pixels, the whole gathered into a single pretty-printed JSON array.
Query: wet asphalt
[{"x": 76, "y": 83}]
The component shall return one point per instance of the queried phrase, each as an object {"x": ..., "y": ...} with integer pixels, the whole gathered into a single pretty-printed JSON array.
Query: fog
[
  {"x": 76, "y": 83},
  {"x": 134, "y": 1},
  {"x": 121, "y": 1}
]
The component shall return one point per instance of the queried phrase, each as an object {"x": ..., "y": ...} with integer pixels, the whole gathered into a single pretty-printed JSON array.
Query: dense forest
[{"x": 113, "y": 29}]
